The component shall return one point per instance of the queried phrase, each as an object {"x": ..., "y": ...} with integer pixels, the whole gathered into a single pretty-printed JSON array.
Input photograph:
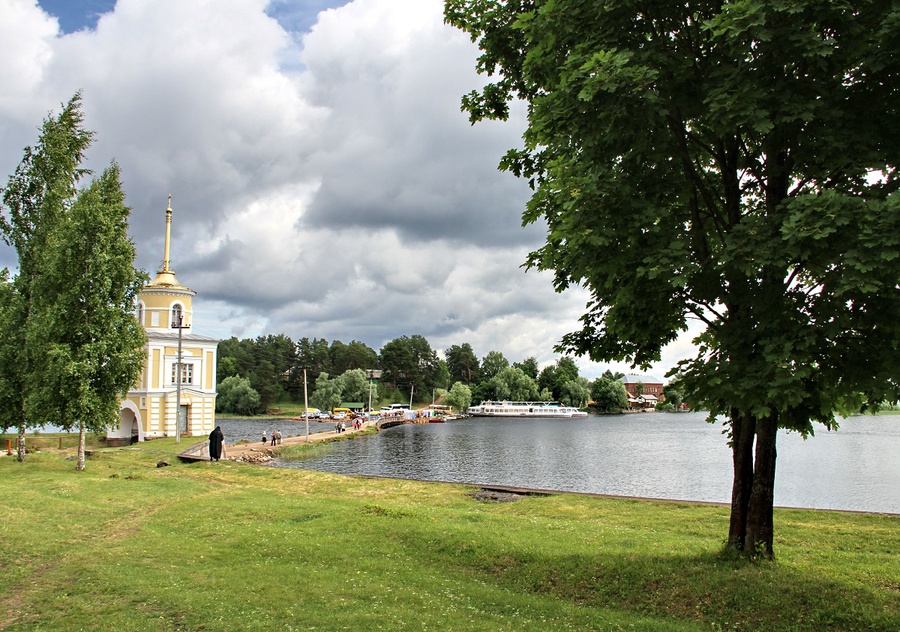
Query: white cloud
[{"x": 324, "y": 184}]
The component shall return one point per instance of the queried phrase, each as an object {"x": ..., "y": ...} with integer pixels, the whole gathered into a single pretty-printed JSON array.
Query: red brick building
[{"x": 644, "y": 391}]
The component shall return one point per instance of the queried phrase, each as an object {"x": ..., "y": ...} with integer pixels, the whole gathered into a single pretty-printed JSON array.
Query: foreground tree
[
  {"x": 12, "y": 377},
  {"x": 35, "y": 201},
  {"x": 721, "y": 161},
  {"x": 91, "y": 345}
]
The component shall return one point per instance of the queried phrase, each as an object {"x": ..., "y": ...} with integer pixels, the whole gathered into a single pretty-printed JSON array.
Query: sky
[{"x": 324, "y": 181}]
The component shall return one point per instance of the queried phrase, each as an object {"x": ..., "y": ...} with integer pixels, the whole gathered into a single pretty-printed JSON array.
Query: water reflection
[{"x": 646, "y": 455}]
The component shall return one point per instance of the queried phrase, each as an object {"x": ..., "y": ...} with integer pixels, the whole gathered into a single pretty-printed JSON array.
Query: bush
[{"x": 235, "y": 395}]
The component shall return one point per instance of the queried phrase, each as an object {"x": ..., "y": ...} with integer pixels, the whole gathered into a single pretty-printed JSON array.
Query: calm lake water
[
  {"x": 253, "y": 429},
  {"x": 650, "y": 455}
]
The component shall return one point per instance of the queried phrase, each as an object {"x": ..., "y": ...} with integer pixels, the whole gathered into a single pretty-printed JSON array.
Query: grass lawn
[{"x": 230, "y": 546}]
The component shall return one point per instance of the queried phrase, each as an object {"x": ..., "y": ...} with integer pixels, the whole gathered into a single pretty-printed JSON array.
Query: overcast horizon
[{"x": 324, "y": 181}]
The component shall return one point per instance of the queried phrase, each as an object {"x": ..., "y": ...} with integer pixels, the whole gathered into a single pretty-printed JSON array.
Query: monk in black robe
[{"x": 215, "y": 443}]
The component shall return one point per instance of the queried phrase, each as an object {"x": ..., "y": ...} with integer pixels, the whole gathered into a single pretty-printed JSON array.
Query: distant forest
[{"x": 256, "y": 374}]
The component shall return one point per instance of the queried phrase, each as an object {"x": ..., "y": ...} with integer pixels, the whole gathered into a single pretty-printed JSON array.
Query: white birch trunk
[
  {"x": 80, "y": 463},
  {"x": 20, "y": 445}
]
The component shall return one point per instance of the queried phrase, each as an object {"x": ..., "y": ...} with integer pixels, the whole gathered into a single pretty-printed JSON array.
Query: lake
[{"x": 649, "y": 455}]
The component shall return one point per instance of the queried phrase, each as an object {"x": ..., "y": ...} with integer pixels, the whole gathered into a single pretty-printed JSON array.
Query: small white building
[{"x": 156, "y": 407}]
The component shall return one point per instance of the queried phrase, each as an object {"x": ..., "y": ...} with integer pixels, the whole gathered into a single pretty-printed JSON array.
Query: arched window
[{"x": 176, "y": 316}]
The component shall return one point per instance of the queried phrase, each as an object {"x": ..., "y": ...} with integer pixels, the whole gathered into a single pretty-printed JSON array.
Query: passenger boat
[{"x": 525, "y": 409}]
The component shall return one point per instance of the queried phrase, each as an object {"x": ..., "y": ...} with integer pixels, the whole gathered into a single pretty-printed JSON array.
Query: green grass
[{"x": 229, "y": 546}]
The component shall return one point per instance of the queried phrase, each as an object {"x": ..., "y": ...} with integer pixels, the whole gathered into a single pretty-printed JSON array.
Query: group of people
[
  {"x": 341, "y": 426},
  {"x": 275, "y": 437},
  {"x": 216, "y": 438}
]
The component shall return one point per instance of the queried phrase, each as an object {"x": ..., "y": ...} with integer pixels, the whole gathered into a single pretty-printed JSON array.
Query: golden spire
[
  {"x": 165, "y": 277},
  {"x": 165, "y": 266}
]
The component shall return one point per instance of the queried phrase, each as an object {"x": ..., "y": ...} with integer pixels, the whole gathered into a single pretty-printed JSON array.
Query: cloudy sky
[{"x": 324, "y": 181}]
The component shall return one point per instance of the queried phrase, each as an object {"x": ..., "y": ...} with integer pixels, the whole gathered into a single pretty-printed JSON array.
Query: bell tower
[{"x": 162, "y": 403}]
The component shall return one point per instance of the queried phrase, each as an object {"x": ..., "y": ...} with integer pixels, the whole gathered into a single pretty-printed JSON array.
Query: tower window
[{"x": 176, "y": 316}]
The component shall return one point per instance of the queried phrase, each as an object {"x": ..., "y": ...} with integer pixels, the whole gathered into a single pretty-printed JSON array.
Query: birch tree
[
  {"x": 79, "y": 346},
  {"x": 35, "y": 200}
]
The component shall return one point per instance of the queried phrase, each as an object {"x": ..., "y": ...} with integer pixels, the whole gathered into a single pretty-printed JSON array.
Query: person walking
[{"x": 215, "y": 444}]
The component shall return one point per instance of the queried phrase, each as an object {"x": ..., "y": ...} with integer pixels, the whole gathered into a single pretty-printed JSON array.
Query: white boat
[{"x": 525, "y": 409}]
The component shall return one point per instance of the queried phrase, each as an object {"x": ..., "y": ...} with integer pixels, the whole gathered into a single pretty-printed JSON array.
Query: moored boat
[{"x": 525, "y": 409}]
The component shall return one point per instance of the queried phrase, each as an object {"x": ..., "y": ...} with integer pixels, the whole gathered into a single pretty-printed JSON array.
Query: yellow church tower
[{"x": 158, "y": 406}]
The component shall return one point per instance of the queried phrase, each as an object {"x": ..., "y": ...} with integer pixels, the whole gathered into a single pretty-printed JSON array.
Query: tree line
[{"x": 256, "y": 374}]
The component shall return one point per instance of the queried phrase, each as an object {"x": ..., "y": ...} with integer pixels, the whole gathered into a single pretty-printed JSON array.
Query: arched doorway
[{"x": 129, "y": 430}]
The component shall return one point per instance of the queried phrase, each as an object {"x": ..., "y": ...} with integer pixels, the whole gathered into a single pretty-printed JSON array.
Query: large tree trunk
[
  {"x": 760, "y": 529},
  {"x": 743, "y": 430},
  {"x": 79, "y": 466},
  {"x": 20, "y": 444}
]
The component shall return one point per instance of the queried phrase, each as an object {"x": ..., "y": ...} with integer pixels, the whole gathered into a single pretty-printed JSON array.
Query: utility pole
[
  {"x": 180, "y": 326},
  {"x": 305, "y": 405}
]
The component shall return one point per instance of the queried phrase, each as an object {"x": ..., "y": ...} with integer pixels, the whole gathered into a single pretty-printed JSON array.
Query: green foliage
[
  {"x": 313, "y": 354},
  {"x": 328, "y": 393},
  {"x": 409, "y": 362},
  {"x": 512, "y": 384},
  {"x": 34, "y": 203},
  {"x": 268, "y": 382},
  {"x": 609, "y": 395},
  {"x": 460, "y": 397},
  {"x": 78, "y": 348},
  {"x": 441, "y": 376},
  {"x": 355, "y": 386},
  {"x": 673, "y": 395},
  {"x": 529, "y": 367},
  {"x": 462, "y": 363},
  {"x": 12, "y": 375},
  {"x": 356, "y": 355},
  {"x": 554, "y": 376},
  {"x": 492, "y": 364},
  {"x": 82, "y": 312},
  {"x": 575, "y": 392},
  {"x": 721, "y": 162},
  {"x": 236, "y": 395}
]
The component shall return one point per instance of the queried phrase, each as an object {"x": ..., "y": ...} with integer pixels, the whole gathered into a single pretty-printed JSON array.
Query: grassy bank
[{"x": 228, "y": 546}]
